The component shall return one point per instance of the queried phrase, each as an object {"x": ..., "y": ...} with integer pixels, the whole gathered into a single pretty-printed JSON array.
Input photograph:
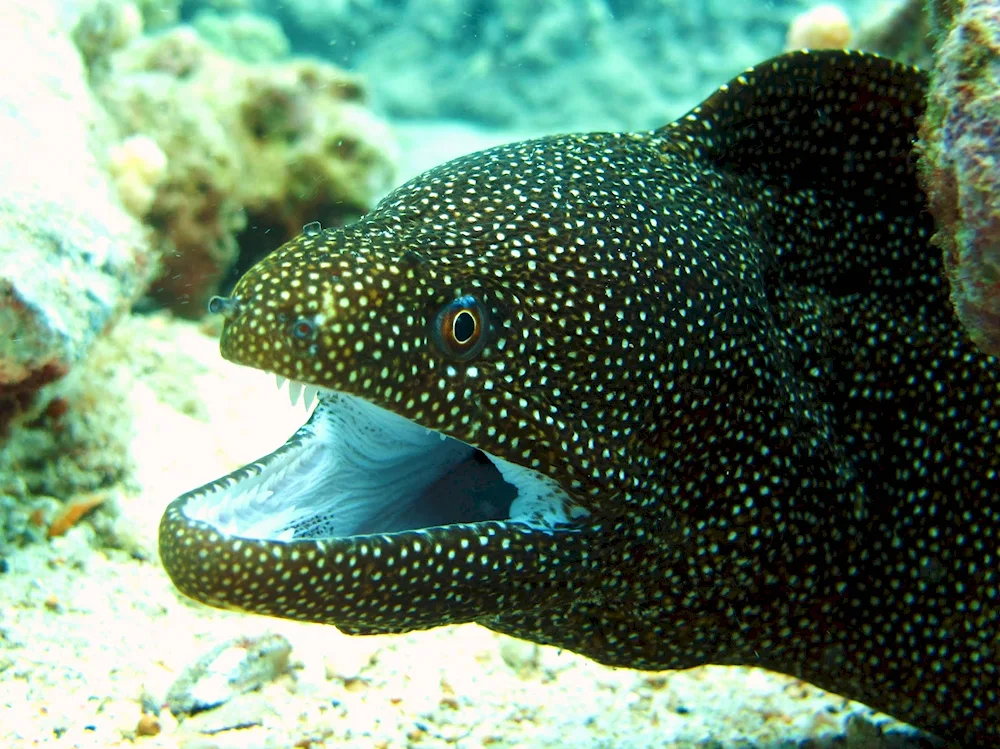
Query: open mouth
[{"x": 357, "y": 469}]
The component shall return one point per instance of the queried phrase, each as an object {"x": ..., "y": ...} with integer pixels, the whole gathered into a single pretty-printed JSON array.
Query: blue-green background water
[{"x": 537, "y": 64}]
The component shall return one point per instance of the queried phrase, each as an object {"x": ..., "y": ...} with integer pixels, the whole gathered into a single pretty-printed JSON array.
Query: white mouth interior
[{"x": 357, "y": 469}]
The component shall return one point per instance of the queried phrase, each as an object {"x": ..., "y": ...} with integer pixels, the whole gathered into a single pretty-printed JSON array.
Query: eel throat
[
  {"x": 356, "y": 469},
  {"x": 688, "y": 396}
]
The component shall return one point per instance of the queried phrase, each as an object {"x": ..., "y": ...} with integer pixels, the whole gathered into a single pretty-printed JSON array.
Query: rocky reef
[
  {"x": 960, "y": 143},
  {"x": 72, "y": 259},
  {"x": 263, "y": 147},
  {"x": 141, "y": 168}
]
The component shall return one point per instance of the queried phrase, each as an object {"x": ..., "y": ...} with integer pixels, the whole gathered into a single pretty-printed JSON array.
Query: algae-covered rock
[
  {"x": 70, "y": 443},
  {"x": 117, "y": 147},
  {"x": 76, "y": 438},
  {"x": 79, "y": 439},
  {"x": 960, "y": 140},
  {"x": 71, "y": 258},
  {"x": 270, "y": 145},
  {"x": 104, "y": 27}
]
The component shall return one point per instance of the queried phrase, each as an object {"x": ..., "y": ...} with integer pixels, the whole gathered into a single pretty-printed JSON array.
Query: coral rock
[
  {"x": 960, "y": 140},
  {"x": 138, "y": 165},
  {"x": 71, "y": 258},
  {"x": 272, "y": 146}
]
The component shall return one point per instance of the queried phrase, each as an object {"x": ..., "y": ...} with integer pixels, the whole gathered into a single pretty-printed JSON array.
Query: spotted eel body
[{"x": 664, "y": 399}]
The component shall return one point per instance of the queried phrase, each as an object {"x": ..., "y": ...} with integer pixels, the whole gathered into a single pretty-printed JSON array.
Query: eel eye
[
  {"x": 304, "y": 329},
  {"x": 460, "y": 328}
]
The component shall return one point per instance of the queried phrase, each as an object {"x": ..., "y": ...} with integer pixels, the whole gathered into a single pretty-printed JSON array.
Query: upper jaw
[
  {"x": 295, "y": 389},
  {"x": 355, "y": 469}
]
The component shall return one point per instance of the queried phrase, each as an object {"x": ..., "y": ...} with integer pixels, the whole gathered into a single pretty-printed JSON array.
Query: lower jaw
[{"x": 382, "y": 583}]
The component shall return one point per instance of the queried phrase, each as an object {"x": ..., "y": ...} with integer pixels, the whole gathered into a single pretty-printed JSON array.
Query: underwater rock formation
[
  {"x": 960, "y": 139},
  {"x": 270, "y": 146},
  {"x": 138, "y": 165},
  {"x": 900, "y": 31},
  {"x": 71, "y": 445},
  {"x": 71, "y": 258},
  {"x": 118, "y": 149}
]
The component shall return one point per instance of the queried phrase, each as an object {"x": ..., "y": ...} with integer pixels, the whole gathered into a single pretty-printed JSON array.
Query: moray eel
[{"x": 664, "y": 399}]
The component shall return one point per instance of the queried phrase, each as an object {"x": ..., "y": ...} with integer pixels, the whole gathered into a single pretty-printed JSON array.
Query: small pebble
[
  {"x": 229, "y": 669},
  {"x": 148, "y": 725},
  {"x": 520, "y": 655}
]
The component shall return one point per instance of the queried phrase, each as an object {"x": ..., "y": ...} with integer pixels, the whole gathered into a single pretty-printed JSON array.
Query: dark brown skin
[{"x": 727, "y": 340}]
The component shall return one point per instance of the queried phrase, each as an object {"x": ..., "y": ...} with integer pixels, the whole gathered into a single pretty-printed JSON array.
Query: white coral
[{"x": 138, "y": 165}]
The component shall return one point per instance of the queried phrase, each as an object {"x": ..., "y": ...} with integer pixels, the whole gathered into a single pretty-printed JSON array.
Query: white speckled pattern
[{"x": 728, "y": 340}]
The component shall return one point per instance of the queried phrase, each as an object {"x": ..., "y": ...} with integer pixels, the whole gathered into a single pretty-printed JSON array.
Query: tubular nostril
[{"x": 226, "y": 306}]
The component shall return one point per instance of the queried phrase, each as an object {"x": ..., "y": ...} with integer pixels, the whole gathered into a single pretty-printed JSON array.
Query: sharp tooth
[
  {"x": 294, "y": 390},
  {"x": 280, "y": 381},
  {"x": 309, "y": 396}
]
